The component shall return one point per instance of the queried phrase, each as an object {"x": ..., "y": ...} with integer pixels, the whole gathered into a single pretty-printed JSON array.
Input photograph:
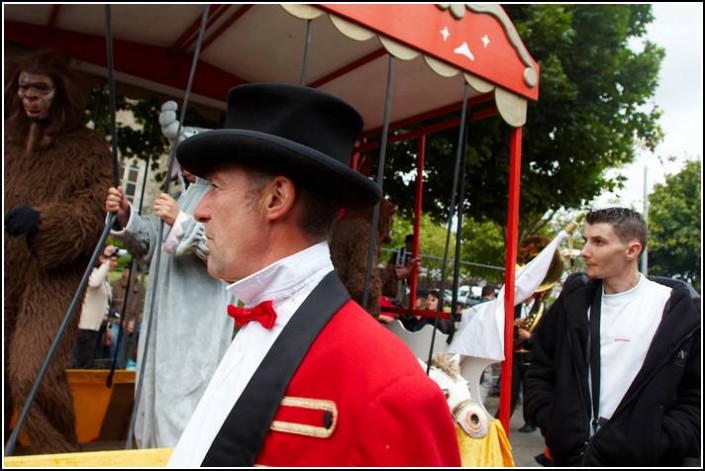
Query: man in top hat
[{"x": 310, "y": 379}]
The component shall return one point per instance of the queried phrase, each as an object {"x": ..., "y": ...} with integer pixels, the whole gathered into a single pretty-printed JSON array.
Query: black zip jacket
[{"x": 657, "y": 423}]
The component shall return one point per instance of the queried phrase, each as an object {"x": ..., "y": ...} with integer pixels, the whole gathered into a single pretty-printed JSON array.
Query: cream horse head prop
[{"x": 471, "y": 416}]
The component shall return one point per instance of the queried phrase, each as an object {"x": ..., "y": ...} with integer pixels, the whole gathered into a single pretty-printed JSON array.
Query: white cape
[{"x": 481, "y": 332}]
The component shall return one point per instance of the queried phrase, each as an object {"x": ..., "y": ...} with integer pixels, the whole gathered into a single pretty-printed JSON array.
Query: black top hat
[{"x": 296, "y": 131}]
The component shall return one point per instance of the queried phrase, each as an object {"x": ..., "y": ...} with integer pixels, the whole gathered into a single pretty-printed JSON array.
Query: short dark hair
[
  {"x": 626, "y": 223},
  {"x": 409, "y": 238},
  {"x": 318, "y": 212},
  {"x": 487, "y": 290}
]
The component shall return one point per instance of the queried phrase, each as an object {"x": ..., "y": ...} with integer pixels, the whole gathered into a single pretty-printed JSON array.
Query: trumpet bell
[{"x": 529, "y": 248}]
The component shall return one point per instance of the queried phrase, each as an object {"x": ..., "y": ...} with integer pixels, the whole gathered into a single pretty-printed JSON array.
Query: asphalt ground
[{"x": 525, "y": 446}]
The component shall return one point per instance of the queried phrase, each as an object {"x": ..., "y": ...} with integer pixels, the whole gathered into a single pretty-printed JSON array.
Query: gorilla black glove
[{"x": 21, "y": 220}]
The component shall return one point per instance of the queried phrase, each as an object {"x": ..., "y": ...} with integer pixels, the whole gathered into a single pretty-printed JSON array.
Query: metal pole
[
  {"x": 304, "y": 64},
  {"x": 133, "y": 266},
  {"x": 505, "y": 389},
  {"x": 645, "y": 253},
  {"x": 458, "y": 237},
  {"x": 456, "y": 176},
  {"x": 12, "y": 441},
  {"x": 10, "y": 447},
  {"x": 372, "y": 249},
  {"x": 157, "y": 250},
  {"x": 420, "y": 164}
]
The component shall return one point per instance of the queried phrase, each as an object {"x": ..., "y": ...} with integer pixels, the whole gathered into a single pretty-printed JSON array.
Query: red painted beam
[
  {"x": 186, "y": 37},
  {"x": 160, "y": 65},
  {"x": 349, "y": 68},
  {"x": 429, "y": 313},
  {"x": 226, "y": 24},
  {"x": 475, "y": 101},
  {"x": 53, "y": 16},
  {"x": 430, "y": 129},
  {"x": 212, "y": 18}
]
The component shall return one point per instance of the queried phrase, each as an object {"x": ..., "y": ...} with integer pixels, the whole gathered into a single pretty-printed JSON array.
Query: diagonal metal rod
[
  {"x": 111, "y": 85},
  {"x": 456, "y": 174},
  {"x": 12, "y": 441},
  {"x": 458, "y": 232},
  {"x": 118, "y": 343},
  {"x": 307, "y": 45},
  {"x": 372, "y": 248},
  {"x": 157, "y": 251},
  {"x": 134, "y": 265}
]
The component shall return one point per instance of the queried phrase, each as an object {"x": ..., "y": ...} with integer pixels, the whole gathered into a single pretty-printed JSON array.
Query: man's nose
[{"x": 201, "y": 213}]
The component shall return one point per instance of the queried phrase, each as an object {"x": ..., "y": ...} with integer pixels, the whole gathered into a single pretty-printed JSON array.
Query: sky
[{"x": 678, "y": 28}]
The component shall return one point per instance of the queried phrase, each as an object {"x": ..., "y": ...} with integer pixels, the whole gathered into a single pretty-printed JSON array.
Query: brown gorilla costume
[
  {"x": 62, "y": 170},
  {"x": 349, "y": 245}
]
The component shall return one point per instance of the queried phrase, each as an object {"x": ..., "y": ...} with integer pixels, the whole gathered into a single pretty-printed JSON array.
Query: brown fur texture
[
  {"x": 65, "y": 179},
  {"x": 349, "y": 247}
]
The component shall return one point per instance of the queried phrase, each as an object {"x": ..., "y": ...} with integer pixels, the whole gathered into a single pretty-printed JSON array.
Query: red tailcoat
[{"x": 360, "y": 398}]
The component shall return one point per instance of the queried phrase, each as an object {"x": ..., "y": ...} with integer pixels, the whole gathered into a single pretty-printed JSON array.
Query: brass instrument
[
  {"x": 528, "y": 323},
  {"x": 529, "y": 248},
  {"x": 532, "y": 319}
]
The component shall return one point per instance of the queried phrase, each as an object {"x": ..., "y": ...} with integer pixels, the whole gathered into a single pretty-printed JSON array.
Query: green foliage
[
  {"x": 483, "y": 242},
  {"x": 433, "y": 236},
  {"x": 138, "y": 130},
  {"x": 592, "y": 112},
  {"x": 142, "y": 138},
  {"x": 675, "y": 235}
]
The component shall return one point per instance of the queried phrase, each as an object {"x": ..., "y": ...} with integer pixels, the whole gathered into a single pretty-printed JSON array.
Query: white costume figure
[
  {"x": 467, "y": 413},
  {"x": 481, "y": 332},
  {"x": 190, "y": 331}
]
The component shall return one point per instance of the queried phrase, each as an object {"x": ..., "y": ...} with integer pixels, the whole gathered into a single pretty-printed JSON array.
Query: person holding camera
[
  {"x": 129, "y": 308},
  {"x": 96, "y": 305}
]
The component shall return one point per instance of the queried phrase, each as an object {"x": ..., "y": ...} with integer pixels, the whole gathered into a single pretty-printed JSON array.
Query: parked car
[{"x": 467, "y": 296}]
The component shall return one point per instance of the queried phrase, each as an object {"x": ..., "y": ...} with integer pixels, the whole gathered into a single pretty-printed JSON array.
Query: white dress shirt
[{"x": 287, "y": 283}]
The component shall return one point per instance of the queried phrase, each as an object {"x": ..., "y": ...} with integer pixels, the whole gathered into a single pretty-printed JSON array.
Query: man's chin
[
  {"x": 211, "y": 269},
  {"x": 216, "y": 273}
]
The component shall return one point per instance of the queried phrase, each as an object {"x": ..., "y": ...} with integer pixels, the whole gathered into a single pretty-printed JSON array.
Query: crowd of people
[{"x": 609, "y": 372}]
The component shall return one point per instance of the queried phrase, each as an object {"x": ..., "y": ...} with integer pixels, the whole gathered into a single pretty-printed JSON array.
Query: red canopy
[{"x": 439, "y": 47}]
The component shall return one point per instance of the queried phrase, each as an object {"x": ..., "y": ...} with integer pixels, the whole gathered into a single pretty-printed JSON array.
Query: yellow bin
[{"x": 102, "y": 413}]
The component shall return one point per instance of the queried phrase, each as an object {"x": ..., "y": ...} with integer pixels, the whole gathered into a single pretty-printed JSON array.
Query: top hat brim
[{"x": 308, "y": 167}]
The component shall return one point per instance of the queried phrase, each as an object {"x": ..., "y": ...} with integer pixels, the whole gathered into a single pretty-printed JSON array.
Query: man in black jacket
[{"x": 631, "y": 397}]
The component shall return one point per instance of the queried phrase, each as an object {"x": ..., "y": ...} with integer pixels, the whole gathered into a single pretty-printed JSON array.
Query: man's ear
[
  {"x": 633, "y": 250},
  {"x": 280, "y": 197}
]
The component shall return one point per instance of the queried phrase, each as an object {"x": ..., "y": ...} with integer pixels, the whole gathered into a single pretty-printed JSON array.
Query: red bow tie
[{"x": 263, "y": 313}]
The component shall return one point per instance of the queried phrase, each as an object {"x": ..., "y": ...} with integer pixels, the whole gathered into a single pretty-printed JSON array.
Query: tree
[
  {"x": 141, "y": 137},
  {"x": 592, "y": 113},
  {"x": 483, "y": 242},
  {"x": 484, "y": 245},
  {"x": 433, "y": 236},
  {"x": 674, "y": 226}
]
